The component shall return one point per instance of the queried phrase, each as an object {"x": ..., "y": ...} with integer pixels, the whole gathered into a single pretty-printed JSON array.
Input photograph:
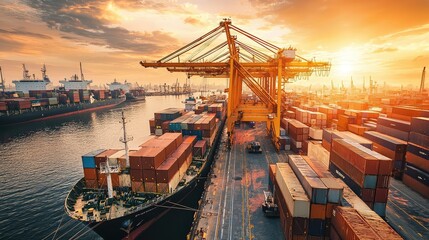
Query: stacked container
[
  {"x": 102, "y": 158},
  {"x": 160, "y": 163},
  {"x": 90, "y": 172},
  {"x": 293, "y": 203},
  {"x": 298, "y": 132},
  {"x": 317, "y": 193},
  {"x": 74, "y": 96},
  {"x": 416, "y": 174},
  {"x": 84, "y": 95},
  {"x": 396, "y": 128},
  {"x": 366, "y": 172},
  {"x": 390, "y": 147}
]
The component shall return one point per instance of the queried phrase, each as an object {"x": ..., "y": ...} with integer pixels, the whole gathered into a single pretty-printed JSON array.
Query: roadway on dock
[
  {"x": 232, "y": 204},
  {"x": 407, "y": 211}
]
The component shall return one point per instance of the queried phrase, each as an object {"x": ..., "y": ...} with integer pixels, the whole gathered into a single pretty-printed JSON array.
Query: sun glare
[{"x": 347, "y": 61}]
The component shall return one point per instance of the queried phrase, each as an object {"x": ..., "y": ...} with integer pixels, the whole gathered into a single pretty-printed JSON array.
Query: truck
[{"x": 254, "y": 147}]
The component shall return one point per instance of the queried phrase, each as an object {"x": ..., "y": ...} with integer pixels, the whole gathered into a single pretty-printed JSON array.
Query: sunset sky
[{"x": 387, "y": 40}]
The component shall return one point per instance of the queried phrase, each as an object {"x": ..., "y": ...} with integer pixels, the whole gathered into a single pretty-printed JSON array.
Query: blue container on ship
[
  {"x": 380, "y": 209},
  {"x": 316, "y": 227},
  {"x": 88, "y": 160}
]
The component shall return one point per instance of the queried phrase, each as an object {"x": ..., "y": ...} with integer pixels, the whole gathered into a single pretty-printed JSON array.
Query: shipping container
[
  {"x": 394, "y": 123},
  {"x": 350, "y": 225},
  {"x": 290, "y": 188},
  {"x": 88, "y": 160},
  {"x": 137, "y": 186},
  {"x": 314, "y": 187},
  {"x": 404, "y": 136},
  {"x": 166, "y": 171},
  {"x": 420, "y": 125},
  {"x": 102, "y": 157}
]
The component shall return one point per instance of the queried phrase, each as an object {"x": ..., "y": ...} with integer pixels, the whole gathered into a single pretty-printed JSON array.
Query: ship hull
[
  {"x": 133, "y": 225},
  {"x": 60, "y": 111}
]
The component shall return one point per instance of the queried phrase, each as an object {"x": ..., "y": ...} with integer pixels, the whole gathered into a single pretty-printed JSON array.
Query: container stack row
[
  {"x": 297, "y": 131},
  {"x": 366, "y": 172},
  {"x": 160, "y": 123},
  {"x": 160, "y": 163},
  {"x": 328, "y": 135},
  {"x": 47, "y": 98},
  {"x": 390, "y": 147},
  {"x": 310, "y": 118},
  {"x": 94, "y": 160},
  {"x": 323, "y": 192},
  {"x": 416, "y": 174}
]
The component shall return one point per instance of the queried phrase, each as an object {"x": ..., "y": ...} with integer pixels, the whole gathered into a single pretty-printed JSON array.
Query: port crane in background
[
  {"x": 422, "y": 81},
  {"x": 243, "y": 58}
]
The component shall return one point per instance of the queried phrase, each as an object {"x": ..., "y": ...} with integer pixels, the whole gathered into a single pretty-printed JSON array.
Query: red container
[
  {"x": 381, "y": 195},
  {"x": 153, "y": 158},
  {"x": 379, "y": 225},
  {"x": 137, "y": 186},
  {"x": 136, "y": 175},
  {"x": 93, "y": 184},
  {"x": 150, "y": 187},
  {"x": 357, "y": 157},
  {"x": 149, "y": 175},
  {"x": 368, "y": 195},
  {"x": 135, "y": 162},
  {"x": 350, "y": 225},
  {"x": 416, "y": 185},
  {"x": 333, "y": 235},
  {"x": 90, "y": 173},
  {"x": 383, "y": 181},
  {"x": 102, "y": 157},
  {"x": 317, "y": 211},
  {"x": 166, "y": 171},
  {"x": 417, "y": 161}
]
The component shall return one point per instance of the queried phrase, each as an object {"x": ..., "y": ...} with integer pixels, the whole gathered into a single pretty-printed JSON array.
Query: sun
[{"x": 347, "y": 61}]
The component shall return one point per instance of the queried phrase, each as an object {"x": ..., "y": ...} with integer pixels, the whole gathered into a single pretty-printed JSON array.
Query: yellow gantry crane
[{"x": 243, "y": 58}]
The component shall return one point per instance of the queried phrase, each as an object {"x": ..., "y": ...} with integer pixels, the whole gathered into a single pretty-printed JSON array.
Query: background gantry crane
[{"x": 243, "y": 58}]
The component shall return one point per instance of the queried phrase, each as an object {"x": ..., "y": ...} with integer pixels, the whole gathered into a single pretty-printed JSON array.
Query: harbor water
[{"x": 41, "y": 161}]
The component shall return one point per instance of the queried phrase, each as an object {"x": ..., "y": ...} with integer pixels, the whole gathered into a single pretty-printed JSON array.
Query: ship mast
[
  {"x": 25, "y": 75},
  {"x": 2, "y": 80},
  {"x": 125, "y": 139},
  {"x": 422, "y": 81},
  {"x": 81, "y": 72}
]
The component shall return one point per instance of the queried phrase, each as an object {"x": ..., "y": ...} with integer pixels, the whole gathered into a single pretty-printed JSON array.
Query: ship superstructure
[
  {"x": 75, "y": 83},
  {"x": 28, "y": 83}
]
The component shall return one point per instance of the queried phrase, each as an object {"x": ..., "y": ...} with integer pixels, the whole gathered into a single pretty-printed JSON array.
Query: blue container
[
  {"x": 337, "y": 172},
  {"x": 418, "y": 151},
  {"x": 380, "y": 209},
  {"x": 381, "y": 139},
  {"x": 88, "y": 160},
  {"x": 370, "y": 181},
  {"x": 316, "y": 227},
  {"x": 417, "y": 174},
  {"x": 394, "y": 123}
]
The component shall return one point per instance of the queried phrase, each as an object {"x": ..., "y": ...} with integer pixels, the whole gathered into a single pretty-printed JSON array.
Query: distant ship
[
  {"x": 34, "y": 99},
  {"x": 131, "y": 94},
  {"x": 27, "y": 83}
]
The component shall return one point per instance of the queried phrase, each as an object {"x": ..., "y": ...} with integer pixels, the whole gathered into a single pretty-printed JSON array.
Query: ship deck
[{"x": 231, "y": 208}]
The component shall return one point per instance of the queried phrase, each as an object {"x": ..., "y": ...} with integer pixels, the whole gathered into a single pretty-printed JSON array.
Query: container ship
[
  {"x": 35, "y": 99},
  {"x": 123, "y": 192},
  {"x": 135, "y": 94}
]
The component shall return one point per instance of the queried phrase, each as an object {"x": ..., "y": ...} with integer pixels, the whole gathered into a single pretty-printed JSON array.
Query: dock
[{"x": 231, "y": 206}]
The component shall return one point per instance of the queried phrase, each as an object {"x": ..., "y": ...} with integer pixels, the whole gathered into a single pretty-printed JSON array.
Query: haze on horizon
[{"x": 387, "y": 40}]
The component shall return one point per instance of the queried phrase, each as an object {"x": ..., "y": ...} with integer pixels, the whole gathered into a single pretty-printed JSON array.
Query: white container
[
  {"x": 316, "y": 134},
  {"x": 290, "y": 188}
]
